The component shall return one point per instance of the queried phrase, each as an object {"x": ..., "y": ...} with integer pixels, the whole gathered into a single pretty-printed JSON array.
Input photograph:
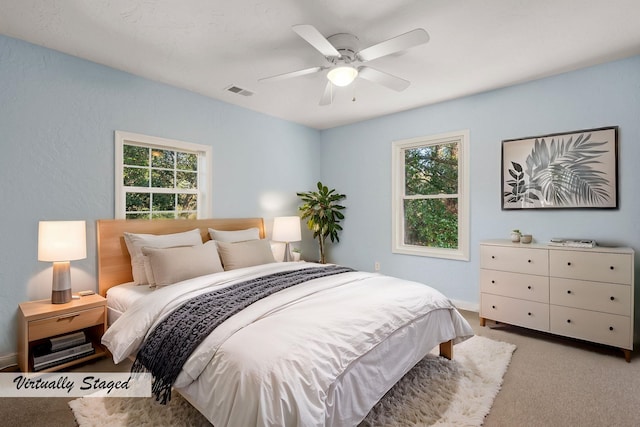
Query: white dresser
[{"x": 574, "y": 292}]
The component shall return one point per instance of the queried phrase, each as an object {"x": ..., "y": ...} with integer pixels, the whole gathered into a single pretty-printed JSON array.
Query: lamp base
[
  {"x": 61, "y": 288},
  {"x": 61, "y": 297},
  {"x": 287, "y": 253}
]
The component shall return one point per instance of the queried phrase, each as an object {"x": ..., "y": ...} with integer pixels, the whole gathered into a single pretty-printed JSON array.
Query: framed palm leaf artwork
[{"x": 565, "y": 170}]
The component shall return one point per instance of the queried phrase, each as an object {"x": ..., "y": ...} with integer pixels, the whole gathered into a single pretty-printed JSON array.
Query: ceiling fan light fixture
[{"x": 343, "y": 75}]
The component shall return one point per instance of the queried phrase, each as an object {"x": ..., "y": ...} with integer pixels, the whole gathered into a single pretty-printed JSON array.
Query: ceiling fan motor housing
[{"x": 346, "y": 44}]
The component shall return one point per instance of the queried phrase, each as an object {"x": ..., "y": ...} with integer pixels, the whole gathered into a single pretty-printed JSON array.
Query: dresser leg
[
  {"x": 627, "y": 355},
  {"x": 483, "y": 321}
]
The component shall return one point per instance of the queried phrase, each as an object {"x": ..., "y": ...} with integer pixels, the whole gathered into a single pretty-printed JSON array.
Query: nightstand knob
[
  {"x": 612, "y": 298},
  {"x": 611, "y": 328}
]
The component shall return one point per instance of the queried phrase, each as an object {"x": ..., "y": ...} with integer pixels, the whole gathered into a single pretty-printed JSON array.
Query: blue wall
[
  {"x": 57, "y": 122},
  {"x": 356, "y": 160}
]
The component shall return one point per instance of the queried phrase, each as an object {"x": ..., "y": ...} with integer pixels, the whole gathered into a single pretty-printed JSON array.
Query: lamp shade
[
  {"x": 62, "y": 240},
  {"x": 342, "y": 76},
  {"x": 286, "y": 229}
]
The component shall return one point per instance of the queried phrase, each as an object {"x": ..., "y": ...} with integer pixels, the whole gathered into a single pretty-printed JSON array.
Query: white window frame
[
  {"x": 205, "y": 168},
  {"x": 398, "y": 195}
]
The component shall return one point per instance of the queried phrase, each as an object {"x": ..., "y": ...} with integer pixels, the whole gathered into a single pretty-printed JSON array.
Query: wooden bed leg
[
  {"x": 446, "y": 349},
  {"x": 483, "y": 321}
]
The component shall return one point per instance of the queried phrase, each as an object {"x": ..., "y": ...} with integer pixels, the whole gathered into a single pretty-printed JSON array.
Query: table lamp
[
  {"x": 287, "y": 229},
  {"x": 61, "y": 242}
]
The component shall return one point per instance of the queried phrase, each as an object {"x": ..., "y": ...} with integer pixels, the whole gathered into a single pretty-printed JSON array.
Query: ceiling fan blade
[
  {"x": 327, "y": 95},
  {"x": 405, "y": 41},
  {"x": 292, "y": 74},
  {"x": 315, "y": 39},
  {"x": 385, "y": 79}
]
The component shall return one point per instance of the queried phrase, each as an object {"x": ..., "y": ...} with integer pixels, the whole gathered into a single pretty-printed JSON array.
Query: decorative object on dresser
[
  {"x": 583, "y": 293},
  {"x": 563, "y": 170},
  {"x": 287, "y": 229},
  {"x": 55, "y": 336},
  {"x": 61, "y": 242}
]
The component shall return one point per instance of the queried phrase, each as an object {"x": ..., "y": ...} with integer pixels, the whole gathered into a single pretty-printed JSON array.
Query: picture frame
[{"x": 570, "y": 170}]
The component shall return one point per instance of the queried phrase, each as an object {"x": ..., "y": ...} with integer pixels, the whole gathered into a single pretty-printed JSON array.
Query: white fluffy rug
[{"x": 436, "y": 392}]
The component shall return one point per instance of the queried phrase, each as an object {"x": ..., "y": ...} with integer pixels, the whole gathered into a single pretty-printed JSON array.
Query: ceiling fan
[{"x": 343, "y": 55}]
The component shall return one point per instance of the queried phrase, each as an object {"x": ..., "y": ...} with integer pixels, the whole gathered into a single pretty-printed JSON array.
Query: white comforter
[{"x": 283, "y": 360}]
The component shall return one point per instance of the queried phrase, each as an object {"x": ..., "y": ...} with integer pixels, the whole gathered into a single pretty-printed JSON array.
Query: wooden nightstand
[{"x": 41, "y": 320}]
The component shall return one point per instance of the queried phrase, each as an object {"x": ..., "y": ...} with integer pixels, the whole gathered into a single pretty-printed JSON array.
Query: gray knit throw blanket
[{"x": 172, "y": 341}]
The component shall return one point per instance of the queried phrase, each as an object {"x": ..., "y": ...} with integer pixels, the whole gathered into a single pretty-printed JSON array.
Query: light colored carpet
[{"x": 435, "y": 392}]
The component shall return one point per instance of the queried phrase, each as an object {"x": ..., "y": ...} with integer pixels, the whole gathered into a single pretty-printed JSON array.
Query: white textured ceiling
[{"x": 207, "y": 45}]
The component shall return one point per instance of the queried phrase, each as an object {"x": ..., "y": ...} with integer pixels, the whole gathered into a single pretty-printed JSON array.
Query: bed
[{"x": 322, "y": 352}]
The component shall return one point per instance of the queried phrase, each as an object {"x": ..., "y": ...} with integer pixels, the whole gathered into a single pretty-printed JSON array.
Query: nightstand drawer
[{"x": 64, "y": 323}]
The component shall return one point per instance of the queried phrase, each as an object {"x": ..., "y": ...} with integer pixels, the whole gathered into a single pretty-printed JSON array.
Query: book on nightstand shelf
[{"x": 57, "y": 350}]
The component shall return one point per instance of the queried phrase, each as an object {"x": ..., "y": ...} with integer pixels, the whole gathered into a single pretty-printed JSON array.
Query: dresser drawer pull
[
  {"x": 612, "y": 298},
  {"x": 569, "y": 291},
  {"x": 493, "y": 281},
  {"x": 611, "y": 268},
  {"x": 529, "y": 287},
  {"x": 529, "y": 313},
  {"x": 611, "y": 328},
  {"x": 493, "y": 306},
  {"x": 568, "y": 320},
  {"x": 529, "y": 261},
  {"x": 493, "y": 257},
  {"x": 68, "y": 316},
  {"x": 568, "y": 263}
]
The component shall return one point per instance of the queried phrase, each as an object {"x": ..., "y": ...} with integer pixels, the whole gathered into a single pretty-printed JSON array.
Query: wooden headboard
[{"x": 114, "y": 262}]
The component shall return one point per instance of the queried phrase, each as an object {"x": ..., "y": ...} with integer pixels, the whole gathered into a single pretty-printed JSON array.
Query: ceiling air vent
[{"x": 239, "y": 90}]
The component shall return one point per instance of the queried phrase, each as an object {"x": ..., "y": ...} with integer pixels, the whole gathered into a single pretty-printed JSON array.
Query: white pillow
[
  {"x": 235, "y": 235},
  {"x": 245, "y": 254},
  {"x": 172, "y": 265},
  {"x": 135, "y": 243}
]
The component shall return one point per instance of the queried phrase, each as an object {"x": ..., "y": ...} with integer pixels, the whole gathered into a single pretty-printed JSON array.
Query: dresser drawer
[
  {"x": 604, "y": 328},
  {"x": 64, "y": 323},
  {"x": 515, "y": 259},
  {"x": 594, "y": 266},
  {"x": 605, "y": 297},
  {"x": 515, "y": 285},
  {"x": 530, "y": 314}
]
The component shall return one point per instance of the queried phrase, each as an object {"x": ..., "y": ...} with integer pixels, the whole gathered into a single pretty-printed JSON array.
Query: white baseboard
[
  {"x": 466, "y": 305},
  {"x": 7, "y": 360}
]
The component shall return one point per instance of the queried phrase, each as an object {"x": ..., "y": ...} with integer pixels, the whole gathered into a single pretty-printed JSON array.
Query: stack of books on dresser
[
  {"x": 58, "y": 350},
  {"x": 573, "y": 243}
]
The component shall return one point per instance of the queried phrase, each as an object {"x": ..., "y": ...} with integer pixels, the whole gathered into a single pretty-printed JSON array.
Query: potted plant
[{"x": 323, "y": 213}]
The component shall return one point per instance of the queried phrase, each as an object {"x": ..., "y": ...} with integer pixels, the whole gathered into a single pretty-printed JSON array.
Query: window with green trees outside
[
  {"x": 159, "y": 178},
  {"x": 430, "y": 201}
]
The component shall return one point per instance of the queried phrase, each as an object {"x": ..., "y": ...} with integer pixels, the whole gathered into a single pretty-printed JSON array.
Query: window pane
[
  {"x": 187, "y": 161},
  {"x": 137, "y": 216},
  {"x": 164, "y": 202},
  {"x": 186, "y": 180},
  {"x": 162, "y": 158},
  {"x": 431, "y": 222},
  {"x": 135, "y": 177},
  {"x": 135, "y": 156},
  {"x": 187, "y": 202},
  {"x": 432, "y": 169},
  {"x": 163, "y": 215},
  {"x": 162, "y": 179},
  {"x": 138, "y": 202}
]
